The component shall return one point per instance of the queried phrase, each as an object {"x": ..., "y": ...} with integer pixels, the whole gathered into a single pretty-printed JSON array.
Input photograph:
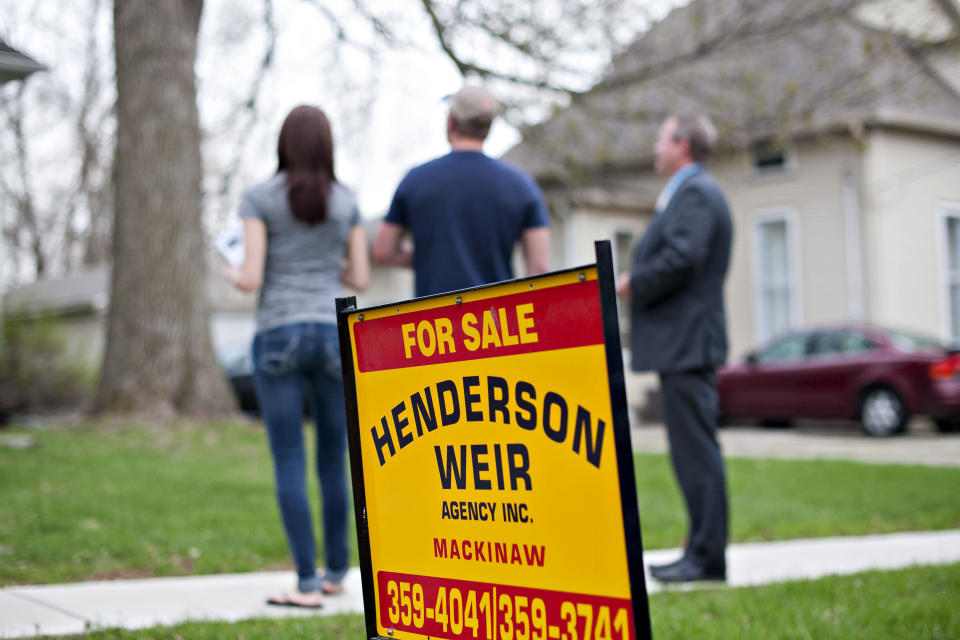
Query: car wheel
[{"x": 883, "y": 412}]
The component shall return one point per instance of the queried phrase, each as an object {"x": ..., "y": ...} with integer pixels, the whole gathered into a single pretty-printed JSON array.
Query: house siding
[
  {"x": 596, "y": 224},
  {"x": 582, "y": 216},
  {"x": 811, "y": 193},
  {"x": 909, "y": 177}
]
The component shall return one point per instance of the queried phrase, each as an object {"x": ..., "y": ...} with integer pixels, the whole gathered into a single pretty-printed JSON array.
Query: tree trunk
[{"x": 159, "y": 361}]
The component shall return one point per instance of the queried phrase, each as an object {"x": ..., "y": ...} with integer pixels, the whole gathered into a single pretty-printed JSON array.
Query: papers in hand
[{"x": 230, "y": 244}]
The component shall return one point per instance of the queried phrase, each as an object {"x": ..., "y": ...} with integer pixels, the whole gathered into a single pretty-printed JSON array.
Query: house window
[
  {"x": 768, "y": 157},
  {"x": 776, "y": 288},
  {"x": 951, "y": 276}
]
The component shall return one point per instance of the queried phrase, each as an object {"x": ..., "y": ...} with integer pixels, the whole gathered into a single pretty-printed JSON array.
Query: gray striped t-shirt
[{"x": 302, "y": 273}]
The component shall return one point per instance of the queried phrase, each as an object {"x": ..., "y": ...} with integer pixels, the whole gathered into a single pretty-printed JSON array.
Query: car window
[
  {"x": 840, "y": 342},
  {"x": 234, "y": 356},
  {"x": 789, "y": 348},
  {"x": 914, "y": 342}
]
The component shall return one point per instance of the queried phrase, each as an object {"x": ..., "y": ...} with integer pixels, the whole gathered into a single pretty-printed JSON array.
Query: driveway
[{"x": 834, "y": 441}]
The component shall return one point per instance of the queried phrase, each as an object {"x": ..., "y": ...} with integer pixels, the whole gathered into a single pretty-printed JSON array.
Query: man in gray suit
[{"x": 678, "y": 328}]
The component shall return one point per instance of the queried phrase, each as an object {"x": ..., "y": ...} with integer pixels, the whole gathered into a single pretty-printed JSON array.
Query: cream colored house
[{"x": 840, "y": 159}]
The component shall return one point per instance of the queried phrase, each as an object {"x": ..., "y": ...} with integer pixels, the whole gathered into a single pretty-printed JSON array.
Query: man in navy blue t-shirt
[{"x": 465, "y": 210}]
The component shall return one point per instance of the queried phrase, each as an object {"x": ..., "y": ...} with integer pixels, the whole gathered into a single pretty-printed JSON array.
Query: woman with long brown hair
[{"x": 303, "y": 237}]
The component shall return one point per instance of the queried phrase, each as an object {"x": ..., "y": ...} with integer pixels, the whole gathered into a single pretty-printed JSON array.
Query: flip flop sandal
[
  {"x": 290, "y": 600},
  {"x": 331, "y": 588}
]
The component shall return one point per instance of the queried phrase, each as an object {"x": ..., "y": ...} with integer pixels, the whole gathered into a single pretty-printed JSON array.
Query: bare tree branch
[
  {"x": 342, "y": 33},
  {"x": 23, "y": 198},
  {"x": 247, "y": 108},
  {"x": 379, "y": 26},
  {"x": 440, "y": 31}
]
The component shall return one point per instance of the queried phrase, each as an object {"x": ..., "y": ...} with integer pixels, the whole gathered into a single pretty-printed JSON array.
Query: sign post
[{"x": 492, "y": 469}]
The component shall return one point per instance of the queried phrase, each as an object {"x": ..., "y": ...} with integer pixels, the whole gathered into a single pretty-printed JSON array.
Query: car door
[
  {"x": 768, "y": 384},
  {"x": 830, "y": 373}
]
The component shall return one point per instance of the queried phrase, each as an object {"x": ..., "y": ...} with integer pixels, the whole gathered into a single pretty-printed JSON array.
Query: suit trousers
[{"x": 691, "y": 411}]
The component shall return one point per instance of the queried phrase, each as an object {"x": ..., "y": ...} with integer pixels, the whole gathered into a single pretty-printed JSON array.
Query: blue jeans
[{"x": 289, "y": 361}]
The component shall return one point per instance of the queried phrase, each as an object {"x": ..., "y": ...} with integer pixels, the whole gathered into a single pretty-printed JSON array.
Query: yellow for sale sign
[{"x": 493, "y": 476}]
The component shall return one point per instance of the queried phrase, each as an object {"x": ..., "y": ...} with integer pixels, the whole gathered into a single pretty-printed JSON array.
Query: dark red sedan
[{"x": 877, "y": 376}]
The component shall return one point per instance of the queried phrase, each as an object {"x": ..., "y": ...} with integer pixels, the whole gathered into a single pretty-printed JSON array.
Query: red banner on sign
[
  {"x": 465, "y": 610},
  {"x": 541, "y": 320}
]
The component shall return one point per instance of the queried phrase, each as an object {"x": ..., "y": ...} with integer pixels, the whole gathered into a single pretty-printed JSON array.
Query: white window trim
[
  {"x": 789, "y": 216},
  {"x": 945, "y": 211},
  {"x": 634, "y": 238},
  {"x": 853, "y": 246},
  {"x": 636, "y": 231},
  {"x": 636, "y": 227},
  {"x": 618, "y": 227}
]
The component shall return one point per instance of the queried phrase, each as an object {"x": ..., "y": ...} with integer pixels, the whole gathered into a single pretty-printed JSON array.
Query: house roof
[
  {"x": 15, "y": 65},
  {"x": 86, "y": 290},
  {"x": 781, "y": 68}
]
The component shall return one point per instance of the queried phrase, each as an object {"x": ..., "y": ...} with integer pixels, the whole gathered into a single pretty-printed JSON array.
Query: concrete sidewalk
[
  {"x": 920, "y": 446},
  {"x": 132, "y": 604}
]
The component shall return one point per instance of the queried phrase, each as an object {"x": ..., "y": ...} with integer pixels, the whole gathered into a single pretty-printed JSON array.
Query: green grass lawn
[
  {"x": 99, "y": 501},
  {"x": 786, "y": 499},
  {"x": 892, "y": 605},
  {"x": 910, "y": 603},
  {"x": 95, "y": 502}
]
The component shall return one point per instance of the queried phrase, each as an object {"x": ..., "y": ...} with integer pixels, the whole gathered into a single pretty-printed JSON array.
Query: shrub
[{"x": 38, "y": 373}]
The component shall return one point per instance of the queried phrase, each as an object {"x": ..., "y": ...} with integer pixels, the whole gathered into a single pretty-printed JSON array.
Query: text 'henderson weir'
[{"x": 443, "y": 403}]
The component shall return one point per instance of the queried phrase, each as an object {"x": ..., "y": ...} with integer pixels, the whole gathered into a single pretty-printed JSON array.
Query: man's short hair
[
  {"x": 473, "y": 110},
  {"x": 698, "y": 131}
]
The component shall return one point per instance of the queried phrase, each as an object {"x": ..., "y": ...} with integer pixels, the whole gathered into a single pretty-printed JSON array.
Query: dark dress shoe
[
  {"x": 660, "y": 568},
  {"x": 685, "y": 570}
]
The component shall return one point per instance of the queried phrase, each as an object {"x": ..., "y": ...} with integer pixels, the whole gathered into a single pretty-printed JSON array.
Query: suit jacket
[{"x": 676, "y": 281}]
